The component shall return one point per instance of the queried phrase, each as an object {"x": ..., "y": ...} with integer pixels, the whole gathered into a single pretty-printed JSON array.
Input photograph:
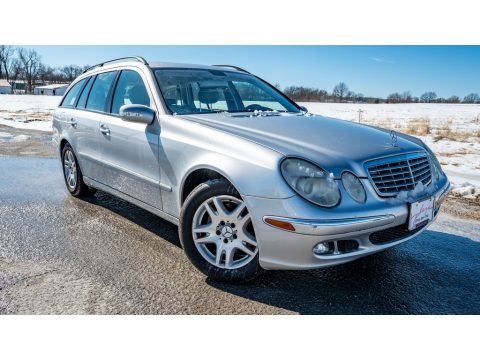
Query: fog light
[{"x": 321, "y": 248}]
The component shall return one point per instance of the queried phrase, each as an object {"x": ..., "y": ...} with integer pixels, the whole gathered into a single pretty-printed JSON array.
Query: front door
[{"x": 129, "y": 151}]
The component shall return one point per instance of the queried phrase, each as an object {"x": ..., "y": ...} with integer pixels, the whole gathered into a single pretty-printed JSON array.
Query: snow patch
[
  {"x": 466, "y": 190},
  {"x": 419, "y": 192},
  {"x": 7, "y": 137},
  {"x": 31, "y": 125},
  {"x": 20, "y": 138}
]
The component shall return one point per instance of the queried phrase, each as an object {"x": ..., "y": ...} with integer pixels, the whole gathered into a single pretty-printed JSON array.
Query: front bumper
[{"x": 282, "y": 249}]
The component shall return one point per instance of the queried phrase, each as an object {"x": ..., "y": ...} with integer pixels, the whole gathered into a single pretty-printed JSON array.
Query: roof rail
[
  {"x": 234, "y": 67},
  {"x": 137, "y": 58}
]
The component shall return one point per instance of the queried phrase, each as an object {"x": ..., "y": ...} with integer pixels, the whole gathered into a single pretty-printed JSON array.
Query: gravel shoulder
[
  {"x": 42, "y": 288},
  {"x": 25, "y": 142}
]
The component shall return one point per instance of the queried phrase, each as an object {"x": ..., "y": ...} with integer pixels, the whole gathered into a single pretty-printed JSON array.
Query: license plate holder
[{"x": 421, "y": 213}]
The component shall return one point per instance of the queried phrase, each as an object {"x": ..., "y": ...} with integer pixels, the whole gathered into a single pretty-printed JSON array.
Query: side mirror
[
  {"x": 137, "y": 113},
  {"x": 304, "y": 109}
]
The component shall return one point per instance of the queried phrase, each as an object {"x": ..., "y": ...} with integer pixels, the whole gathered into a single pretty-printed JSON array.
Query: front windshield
[{"x": 193, "y": 91}]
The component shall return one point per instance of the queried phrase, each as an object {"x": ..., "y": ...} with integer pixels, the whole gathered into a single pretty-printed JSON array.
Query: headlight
[
  {"x": 311, "y": 182},
  {"x": 354, "y": 187}
]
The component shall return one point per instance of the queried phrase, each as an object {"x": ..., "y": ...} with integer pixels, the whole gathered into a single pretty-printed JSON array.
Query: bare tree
[
  {"x": 71, "y": 72},
  {"x": 31, "y": 66},
  {"x": 6, "y": 54},
  {"x": 406, "y": 97},
  {"x": 453, "y": 99},
  {"x": 15, "y": 71},
  {"x": 428, "y": 97},
  {"x": 394, "y": 98},
  {"x": 340, "y": 90},
  {"x": 471, "y": 99}
]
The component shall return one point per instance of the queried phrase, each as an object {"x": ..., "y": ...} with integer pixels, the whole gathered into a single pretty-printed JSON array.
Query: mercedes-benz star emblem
[
  {"x": 227, "y": 231},
  {"x": 393, "y": 138}
]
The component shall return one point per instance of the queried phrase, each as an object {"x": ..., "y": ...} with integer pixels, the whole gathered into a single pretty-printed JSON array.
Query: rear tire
[
  {"x": 72, "y": 174},
  {"x": 217, "y": 233}
]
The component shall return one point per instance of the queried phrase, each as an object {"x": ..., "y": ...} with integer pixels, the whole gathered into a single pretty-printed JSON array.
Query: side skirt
[{"x": 97, "y": 185}]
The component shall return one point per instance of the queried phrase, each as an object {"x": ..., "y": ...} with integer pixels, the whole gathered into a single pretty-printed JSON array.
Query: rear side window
[
  {"x": 130, "y": 89},
  {"x": 72, "y": 96},
  {"x": 82, "y": 101},
  {"x": 97, "y": 100}
]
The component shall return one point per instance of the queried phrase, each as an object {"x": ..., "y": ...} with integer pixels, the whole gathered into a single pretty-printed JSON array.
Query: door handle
[
  {"x": 73, "y": 122},
  {"x": 104, "y": 130}
]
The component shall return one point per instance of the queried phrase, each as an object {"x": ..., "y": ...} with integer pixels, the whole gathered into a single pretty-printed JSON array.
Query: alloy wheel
[
  {"x": 223, "y": 232},
  {"x": 70, "y": 169}
]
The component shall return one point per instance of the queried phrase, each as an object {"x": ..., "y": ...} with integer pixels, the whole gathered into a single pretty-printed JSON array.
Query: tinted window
[
  {"x": 82, "y": 101},
  {"x": 72, "y": 96},
  {"x": 130, "y": 90},
  {"x": 99, "y": 93}
]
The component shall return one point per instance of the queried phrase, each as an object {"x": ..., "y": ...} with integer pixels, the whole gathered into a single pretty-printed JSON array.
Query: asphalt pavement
[{"x": 102, "y": 255}]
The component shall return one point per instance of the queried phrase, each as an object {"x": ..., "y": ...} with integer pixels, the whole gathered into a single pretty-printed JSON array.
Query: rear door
[
  {"x": 78, "y": 126},
  {"x": 130, "y": 150},
  {"x": 90, "y": 109}
]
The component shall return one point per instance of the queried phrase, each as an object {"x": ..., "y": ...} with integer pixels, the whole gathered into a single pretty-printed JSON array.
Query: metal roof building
[
  {"x": 54, "y": 89},
  {"x": 5, "y": 87}
]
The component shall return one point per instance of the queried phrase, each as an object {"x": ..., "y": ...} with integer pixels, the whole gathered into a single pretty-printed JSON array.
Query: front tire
[
  {"x": 217, "y": 233},
  {"x": 72, "y": 174}
]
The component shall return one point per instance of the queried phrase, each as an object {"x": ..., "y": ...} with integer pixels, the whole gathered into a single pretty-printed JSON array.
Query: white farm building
[
  {"x": 5, "y": 87},
  {"x": 54, "y": 89}
]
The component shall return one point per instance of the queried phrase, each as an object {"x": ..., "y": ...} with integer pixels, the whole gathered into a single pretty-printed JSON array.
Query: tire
[
  {"x": 221, "y": 244},
  {"x": 72, "y": 174}
]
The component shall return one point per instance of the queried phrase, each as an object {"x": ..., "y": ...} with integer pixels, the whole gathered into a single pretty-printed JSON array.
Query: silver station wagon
[{"x": 251, "y": 178}]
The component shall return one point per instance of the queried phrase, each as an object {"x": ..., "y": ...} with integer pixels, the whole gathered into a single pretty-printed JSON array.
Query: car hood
[{"x": 335, "y": 145}]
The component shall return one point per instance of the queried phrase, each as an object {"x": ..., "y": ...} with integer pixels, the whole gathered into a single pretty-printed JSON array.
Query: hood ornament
[{"x": 393, "y": 138}]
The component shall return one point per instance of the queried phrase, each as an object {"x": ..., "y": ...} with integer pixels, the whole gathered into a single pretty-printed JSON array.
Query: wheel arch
[
  {"x": 63, "y": 142},
  {"x": 199, "y": 175}
]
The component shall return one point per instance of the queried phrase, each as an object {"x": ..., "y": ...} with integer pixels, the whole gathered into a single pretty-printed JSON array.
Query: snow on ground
[
  {"x": 27, "y": 103},
  {"x": 28, "y": 111},
  {"x": 460, "y": 117}
]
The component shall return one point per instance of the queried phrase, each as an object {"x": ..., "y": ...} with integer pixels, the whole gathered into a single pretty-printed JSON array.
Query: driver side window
[{"x": 130, "y": 89}]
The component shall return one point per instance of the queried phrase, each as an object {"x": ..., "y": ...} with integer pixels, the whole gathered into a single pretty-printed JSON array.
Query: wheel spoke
[
  {"x": 249, "y": 239},
  {"x": 210, "y": 211},
  {"x": 221, "y": 210},
  {"x": 243, "y": 221},
  {"x": 229, "y": 253},
  {"x": 237, "y": 211},
  {"x": 245, "y": 249},
  {"x": 207, "y": 228},
  {"x": 218, "y": 255},
  {"x": 210, "y": 239}
]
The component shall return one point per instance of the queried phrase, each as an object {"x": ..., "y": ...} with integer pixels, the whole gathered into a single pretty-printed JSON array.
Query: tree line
[
  {"x": 18, "y": 63},
  {"x": 341, "y": 93}
]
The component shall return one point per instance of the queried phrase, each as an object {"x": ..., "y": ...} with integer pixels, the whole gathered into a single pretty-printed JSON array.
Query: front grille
[
  {"x": 393, "y": 234},
  {"x": 400, "y": 173}
]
